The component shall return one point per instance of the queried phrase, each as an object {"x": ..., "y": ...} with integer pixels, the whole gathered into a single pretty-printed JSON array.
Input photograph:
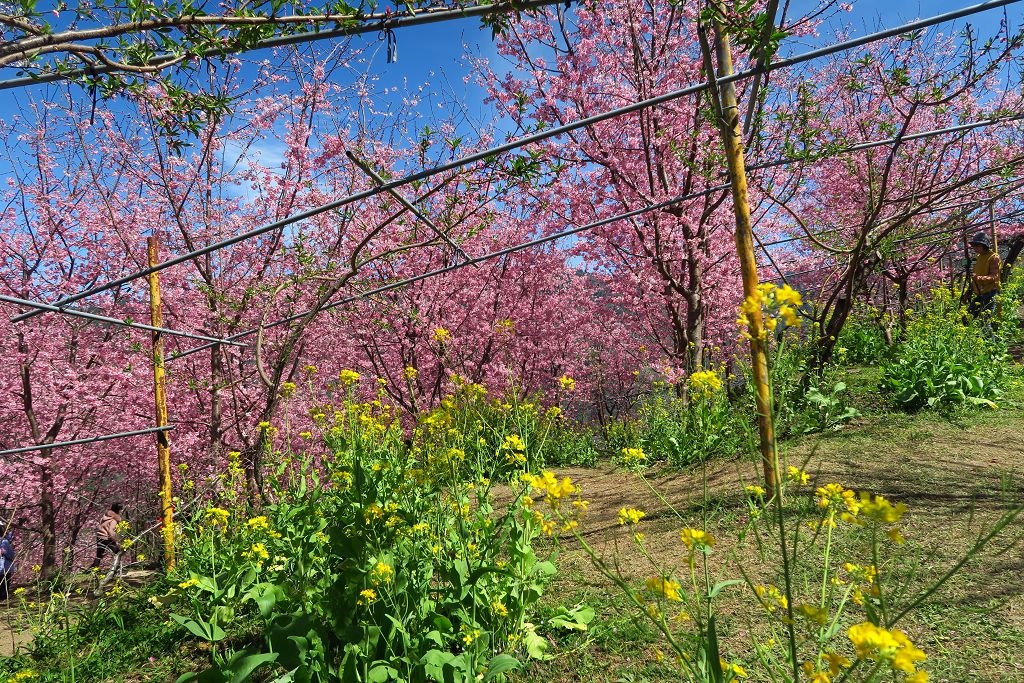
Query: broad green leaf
[{"x": 499, "y": 664}]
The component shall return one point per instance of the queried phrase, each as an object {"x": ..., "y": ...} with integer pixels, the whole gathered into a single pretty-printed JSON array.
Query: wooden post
[
  {"x": 992, "y": 228},
  {"x": 163, "y": 448},
  {"x": 995, "y": 250},
  {"x": 731, "y": 131}
]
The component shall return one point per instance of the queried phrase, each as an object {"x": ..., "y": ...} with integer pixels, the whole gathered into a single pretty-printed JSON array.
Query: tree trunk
[{"x": 47, "y": 521}]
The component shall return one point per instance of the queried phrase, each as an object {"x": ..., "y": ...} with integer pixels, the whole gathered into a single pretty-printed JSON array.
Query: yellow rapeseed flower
[
  {"x": 733, "y": 668},
  {"x": 771, "y": 597},
  {"x": 381, "y": 573},
  {"x": 667, "y": 588},
  {"x": 751, "y": 305},
  {"x": 257, "y": 551},
  {"x": 372, "y": 512},
  {"x": 218, "y": 516},
  {"x": 812, "y": 613},
  {"x": 630, "y": 516},
  {"x": 695, "y": 538},
  {"x": 814, "y": 675},
  {"x": 556, "y": 490},
  {"x": 567, "y": 383},
  {"x": 786, "y": 295},
  {"x": 882, "y": 645},
  {"x": 754, "y": 491},
  {"x": 835, "y": 498},
  {"x": 896, "y": 536},
  {"x": 797, "y": 476},
  {"x": 789, "y": 315},
  {"x": 441, "y": 335},
  {"x": 367, "y": 596},
  {"x": 705, "y": 383},
  {"x": 469, "y": 634},
  {"x": 633, "y": 457},
  {"x": 347, "y": 377},
  {"x": 880, "y": 509},
  {"x": 837, "y": 662},
  {"x": 513, "y": 442},
  {"x": 258, "y": 523}
]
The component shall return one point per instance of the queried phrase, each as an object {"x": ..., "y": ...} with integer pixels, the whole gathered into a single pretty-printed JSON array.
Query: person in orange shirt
[{"x": 985, "y": 277}]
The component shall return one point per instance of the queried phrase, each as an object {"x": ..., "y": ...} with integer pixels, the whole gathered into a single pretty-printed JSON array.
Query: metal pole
[
  {"x": 91, "y": 439},
  {"x": 368, "y": 170},
  {"x": 478, "y": 259},
  {"x": 163, "y": 447},
  {"x": 860, "y": 146},
  {"x": 950, "y": 232},
  {"x": 731, "y": 131},
  {"x": 487, "y": 154},
  {"x": 39, "y": 306},
  {"x": 934, "y": 209}
]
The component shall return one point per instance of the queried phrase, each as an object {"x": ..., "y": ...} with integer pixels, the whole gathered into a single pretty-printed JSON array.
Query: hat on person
[{"x": 982, "y": 239}]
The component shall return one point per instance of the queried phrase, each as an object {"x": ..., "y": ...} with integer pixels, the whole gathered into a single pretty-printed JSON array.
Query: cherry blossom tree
[{"x": 852, "y": 208}]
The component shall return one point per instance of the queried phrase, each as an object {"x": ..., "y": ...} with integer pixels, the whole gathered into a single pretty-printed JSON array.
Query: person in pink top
[{"x": 106, "y": 534}]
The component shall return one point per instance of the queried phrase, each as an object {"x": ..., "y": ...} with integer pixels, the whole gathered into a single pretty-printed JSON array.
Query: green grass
[
  {"x": 118, "y": 638},
  {"x": 957, "y": 470}
]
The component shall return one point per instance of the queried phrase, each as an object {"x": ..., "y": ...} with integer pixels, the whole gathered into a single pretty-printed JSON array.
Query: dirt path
[
  {"x": 15, "y": 635},
  {"x": 12, "y": 638}
]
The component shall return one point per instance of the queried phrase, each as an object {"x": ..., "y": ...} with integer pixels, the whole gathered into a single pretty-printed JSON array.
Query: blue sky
[
  {"x": 434, "y": 52},
  {"x": 439, "y": 46},
  {"x": 426, "y": 52}
]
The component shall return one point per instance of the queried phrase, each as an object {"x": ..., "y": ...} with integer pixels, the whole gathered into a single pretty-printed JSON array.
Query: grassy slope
[{"x": 957, "y": 473}]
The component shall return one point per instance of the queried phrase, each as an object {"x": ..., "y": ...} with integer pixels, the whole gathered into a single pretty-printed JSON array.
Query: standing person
[
  {"x": 106, "y": 535},
  {"x": 985, "y": 277},
  {"x": 7, "y": 557}
]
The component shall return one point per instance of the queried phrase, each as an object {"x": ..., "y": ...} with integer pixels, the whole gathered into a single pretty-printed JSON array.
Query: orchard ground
[{"x": 957, "y": 473}]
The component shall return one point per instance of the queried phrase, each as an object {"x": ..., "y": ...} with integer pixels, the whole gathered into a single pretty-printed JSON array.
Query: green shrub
[
  {"x": 824, "y": 412},
  {"x": 375, "y": 561},
  {"x": 802, "y": 403},
  {"x": 503, "y": 436},
  {"x": 861, "y": 341},
  {"x": 77, "y": 639},
  {"x": 943, "y": 360},
  {"x": 570, "y": 445},
  {"x": 682, "y": 432},
  {"x": 1011, "y": 305}
]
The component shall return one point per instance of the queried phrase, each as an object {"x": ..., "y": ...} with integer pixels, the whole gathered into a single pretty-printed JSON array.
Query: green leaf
[
  {"x": 434, "y": 662},
  {"x": 266, "y": 595},
  {"x": 243, "y": 668},
  {"x": 722, "y": 585},
  {"x": 381, "y": 673},
  {"x": 536, "y": 645},
  {"x": 206, "y": 631},
  {"x": 499, "y": 664},
  {"x": 575, "y": 619},
  {"x": 714, "y": 658}
]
